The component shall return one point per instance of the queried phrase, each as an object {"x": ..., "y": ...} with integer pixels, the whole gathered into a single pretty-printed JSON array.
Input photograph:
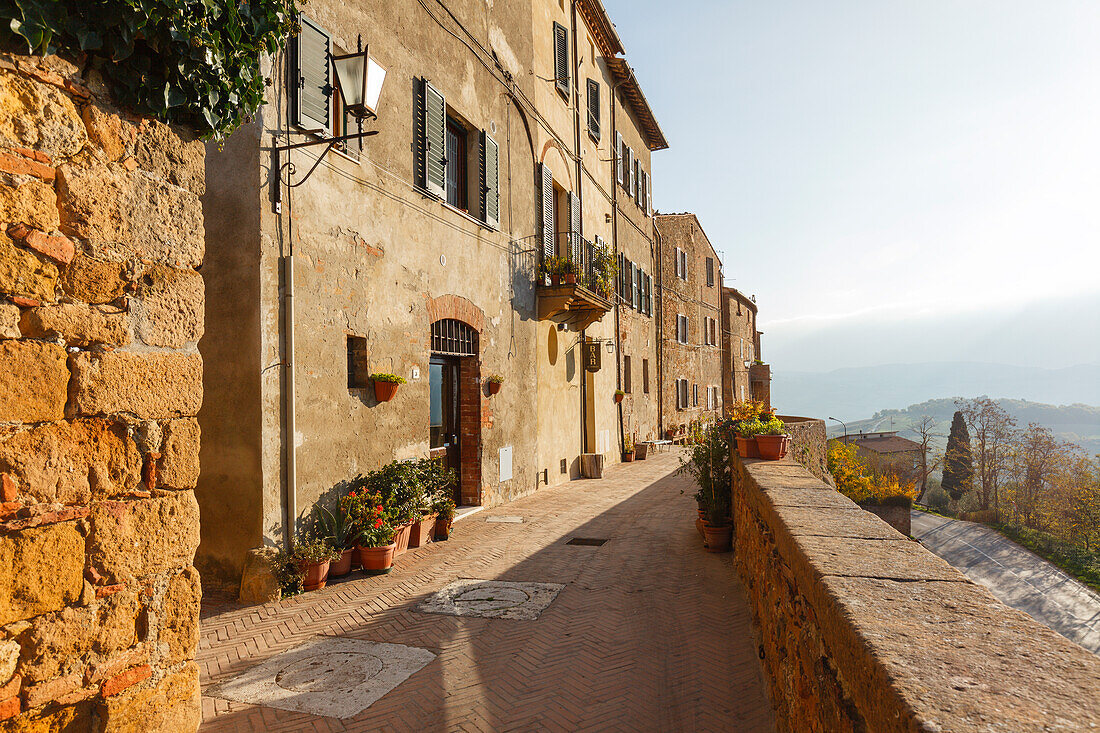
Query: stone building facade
[
  {"x": 417, "y": 252},
  {"x": 101, "y": 309},
  {"x": 690, "y": 294},
  {"x": 745, "y": 375}
]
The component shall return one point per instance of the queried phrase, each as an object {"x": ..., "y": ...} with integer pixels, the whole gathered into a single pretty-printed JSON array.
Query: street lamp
[
  {"x": 844, "y": 426},
  {"x": 359, "y": 79}
]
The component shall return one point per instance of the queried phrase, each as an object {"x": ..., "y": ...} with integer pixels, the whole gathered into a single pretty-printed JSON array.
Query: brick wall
[
  {"x": 862, "y": 629},
  {"x": 101, "y": 306}
]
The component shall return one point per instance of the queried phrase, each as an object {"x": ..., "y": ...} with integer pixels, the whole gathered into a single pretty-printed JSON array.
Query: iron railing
[{"x": 591, "y": 264}]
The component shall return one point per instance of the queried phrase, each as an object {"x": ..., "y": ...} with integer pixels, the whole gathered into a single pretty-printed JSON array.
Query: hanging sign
[{"x": 593, "y": 356}]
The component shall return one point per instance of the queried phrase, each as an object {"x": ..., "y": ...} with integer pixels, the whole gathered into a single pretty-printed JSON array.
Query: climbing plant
[{"x": 194, "y": 62}]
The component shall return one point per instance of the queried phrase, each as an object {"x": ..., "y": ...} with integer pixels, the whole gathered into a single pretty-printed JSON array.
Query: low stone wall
[
  {"x": 861, "y": 629},
  {"x": 808, "y": 445},
  {"x": 101, "y": 306},
  {"x": 897, "y": 517}
]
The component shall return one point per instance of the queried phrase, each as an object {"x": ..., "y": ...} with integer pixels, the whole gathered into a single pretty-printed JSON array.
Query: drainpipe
[
  {"x": 575, "y": 94},
  {"x": 660, "y": 336},
  {"x": 615, "y": 246},
  {"x": 291, "y": 448}
]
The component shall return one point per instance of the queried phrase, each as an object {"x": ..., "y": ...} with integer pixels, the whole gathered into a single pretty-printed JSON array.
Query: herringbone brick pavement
[{"x": 650, "y": 632}]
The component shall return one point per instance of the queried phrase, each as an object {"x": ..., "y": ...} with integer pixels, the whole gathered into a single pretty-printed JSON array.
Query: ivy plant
[{"x": 191, "y": 62}]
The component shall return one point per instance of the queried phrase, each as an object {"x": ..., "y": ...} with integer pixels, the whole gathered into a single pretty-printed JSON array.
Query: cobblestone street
[{"x": 648, "y": 632}]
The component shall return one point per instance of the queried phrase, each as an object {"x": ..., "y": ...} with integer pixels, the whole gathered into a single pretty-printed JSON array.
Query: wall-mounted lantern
[{"x": 359, "y": 79}]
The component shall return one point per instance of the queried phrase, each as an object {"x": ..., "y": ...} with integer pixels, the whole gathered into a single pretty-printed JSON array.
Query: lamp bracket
[{"x": 323, "y": 141}]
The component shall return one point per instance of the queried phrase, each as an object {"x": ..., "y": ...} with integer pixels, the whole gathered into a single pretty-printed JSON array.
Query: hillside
[
  {"x": 1076, "y": 423},
  {"x": 855, "y": 393}
]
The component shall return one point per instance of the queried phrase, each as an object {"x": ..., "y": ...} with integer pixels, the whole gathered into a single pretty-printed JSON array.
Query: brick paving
[{"x": 650, "y": 633}]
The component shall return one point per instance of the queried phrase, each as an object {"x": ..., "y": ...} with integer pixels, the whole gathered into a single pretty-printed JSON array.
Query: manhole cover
[
  {"x": 586, "y": 541},
  {"x": 492, "y": 599},
  {"x": 335, "y": 672},
  {"x": 336, "y": 678}
]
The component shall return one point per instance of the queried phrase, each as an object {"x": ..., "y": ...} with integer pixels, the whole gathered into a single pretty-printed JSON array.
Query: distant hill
[
  {"x": 855, "y": 393},
  {"x": 1079, "y": 424}
]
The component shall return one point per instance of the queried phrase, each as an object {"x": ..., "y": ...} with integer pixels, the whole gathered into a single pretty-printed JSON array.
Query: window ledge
[{"x": 467, "y": 215}]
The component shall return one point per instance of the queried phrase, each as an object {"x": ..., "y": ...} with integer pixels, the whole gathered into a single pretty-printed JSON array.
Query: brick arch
[
  {"x": 458, "y": 308},
  {"x": 552, "y": 144}
]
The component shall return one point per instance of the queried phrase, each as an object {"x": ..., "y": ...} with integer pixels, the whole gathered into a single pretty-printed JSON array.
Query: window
[
  {"x": 645, "y": 376},
  {"x": 620, "y": 157},
  {"x": 358, "y": 372},
  {"x": 561, "y": 59},
  {"x": 681, "y": 394},
  {"x": 695, "y": 395},
  {"x": 630, "y": 172},
  {"x": 457, "y": 185},
  {"x": 310, "y": 77},
  {"x": 594, "y": 109},
  {"x": 489, "y": 190},
  {"x": 681, "y": 328},
  {"x": 710, "y": 398},
  {"x": 636, "y": 181},
  {"x": 710, "y": 272},
  {"x": 713, "y": 331},
  {"x": 636, "y": 289},
  {"x": 742, "y": 347},
  {"x": 626, "y": 374},
  {"x": 431, "y": 134},
  {"x": 681, "y": 263}
]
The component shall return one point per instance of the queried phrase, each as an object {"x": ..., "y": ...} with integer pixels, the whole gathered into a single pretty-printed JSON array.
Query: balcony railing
[{"x": 575, "y": 286}]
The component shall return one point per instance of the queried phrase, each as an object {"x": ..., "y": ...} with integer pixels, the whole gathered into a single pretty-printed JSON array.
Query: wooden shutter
[
  {"x": 648, "y": 194},
  {"x": 626, "y": 374},
  {"x": 490, "y": 180},
  {"x": 637, "y": 181},
  {"x": 619, "y": 158},
  {"x": 561, "y": 59},
  {"x": 629, "y": 172},
  {"x": 547, "y": 187},
  {"x": 649, "y": 290},
  {"x": 575, "y": 230},
  {"x": 310, "y": 80},
  {"x": 432, "y": 140},
  {"x": 594, "y": 109}
]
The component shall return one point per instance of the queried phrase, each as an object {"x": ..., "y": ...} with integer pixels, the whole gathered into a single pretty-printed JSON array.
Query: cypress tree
[{"x": 958, "y": 463}]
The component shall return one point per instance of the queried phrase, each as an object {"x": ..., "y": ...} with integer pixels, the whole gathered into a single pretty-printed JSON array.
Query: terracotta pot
[
  {"x": 628, "y": 457},
  {"x": 718, "y": 537},
  {"x": 342, "y": 567},
  {"x": 316, "y": 573},
  {"x": 442, "y": 529},
  {"x": 570, "y": 279},
  {"x": 384, "y": 391},
  {"x": 746, "y": 447},
  {"x": 772, "y": 447},
  {"x": 401, "y": 538},
  {"x": 555, "y": 279},
  {"x": 619, "y": 398},
  {"x": 699, "y": 526},
  {"x": 421, "y": 532},
  {"x": 641, "y": 451},
  {"x": 377, "y": 560},
  {"x": 494, "y": 387}
]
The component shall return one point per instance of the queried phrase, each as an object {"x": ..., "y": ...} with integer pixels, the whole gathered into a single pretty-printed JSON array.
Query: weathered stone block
[
  {"x": 93, "y": 281},
  {"x": 71, "y": 462},
  {"x": 179, "y": 454},
  {"x": 9, "y": 659},
  {"x": 77, "y": 324},
  {"x": 41, "y": 570},
  {"x": 136, "y": 539},
  {"x": 9, "y": 321},
  {"x": 162, "y": 152},
  {"x": 126, "y": 215},
  {"x": 24, "y": 274},
  {"x": 32, "y": 203},
  {"x": 170, "y": 309},
  {"x": 33, "y": 381},
  {"x": 38, "y": 116},
  {"x": 148, "y": 385},
  {"x": 66, "y": 642},
  {"x": 173, "y": 706},
  {"x": 108, "y": 131},
  {"x": 179, "y": 616},
  {"x": 258, "y": 582}
]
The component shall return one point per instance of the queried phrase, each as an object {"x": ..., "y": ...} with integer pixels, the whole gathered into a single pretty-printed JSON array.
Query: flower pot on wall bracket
[
  {"x": 494, "y": 387},
  {"x": 384, "y": 391},
  {"x": 619, "y": 397}
]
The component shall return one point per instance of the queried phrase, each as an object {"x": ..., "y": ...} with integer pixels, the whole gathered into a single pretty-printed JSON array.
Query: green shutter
[
  {"x": 561, "y": 59},
  {"x": 594, "y": 109},
  {"x": 310, "y": 80},
  {"x": 431, "y": 140},
  {"x": 490, "y": 181},
  {"x": 619, "y": 157},
  {"x": 546, "y": 186}
]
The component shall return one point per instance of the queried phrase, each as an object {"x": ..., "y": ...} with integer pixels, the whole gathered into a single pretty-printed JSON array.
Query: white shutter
[
  {"x": 433, "y": 139},
  {"x": 619, "y": 158},
  {"x": 490, "y": 181},
  {"x": 311, "y": 86},
  {"x": 547, "y": 180},
  {"x": 575, "y": 230},
  {"x": 629, "y": 172}
]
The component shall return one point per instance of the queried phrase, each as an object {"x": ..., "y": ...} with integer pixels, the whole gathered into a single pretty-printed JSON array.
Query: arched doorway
[{"x": 454, "y": 425}]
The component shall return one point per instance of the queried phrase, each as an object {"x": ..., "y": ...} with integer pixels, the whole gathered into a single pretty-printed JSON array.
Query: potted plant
[
  {"x": 494, "y": 381},
  {"x": 568, "y": 271},
  {"x": 745, "y": 431},
  {"x": 445, "y": 509},
  {"x": 375, "y": 541},
  {"x": 619, "y": 394},
  {"x": 628, "y": 449},
  {"x": 385, "y": 385},
  {"x": 313, "y": 558},
  {"x": 772, "y": 439},
  {"x": 339, "y": 530},
  {"x": 709, "y": 465}
]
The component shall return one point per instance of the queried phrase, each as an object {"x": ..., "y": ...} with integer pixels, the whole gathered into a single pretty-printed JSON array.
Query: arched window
[{"x": 454, "y": 338}]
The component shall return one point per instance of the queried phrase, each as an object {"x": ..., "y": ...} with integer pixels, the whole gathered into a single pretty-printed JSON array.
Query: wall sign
[{"x": 593, "y": 356}]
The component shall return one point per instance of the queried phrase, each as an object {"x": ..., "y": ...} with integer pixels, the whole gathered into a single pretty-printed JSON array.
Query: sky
[{"x": 898, "y": 181}]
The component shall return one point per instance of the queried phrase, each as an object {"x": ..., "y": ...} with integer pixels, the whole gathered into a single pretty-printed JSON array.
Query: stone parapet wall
[
  {"x": 862, "y": 629},
  {"x": 101, "y": 309},
  {"x": 808, "y": 445}
]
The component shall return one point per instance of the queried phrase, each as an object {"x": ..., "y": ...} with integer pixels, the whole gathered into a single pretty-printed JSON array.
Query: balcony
[
  {"x": 575, "y": 288},
  {"x": 760, "y": 372}
]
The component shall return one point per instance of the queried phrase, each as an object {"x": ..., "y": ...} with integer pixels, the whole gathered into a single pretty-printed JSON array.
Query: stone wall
[
  {"x": 101, "y": 306},
  {"x": 897, "y": 517},
  {"x": 808, "y": 445},
  {"x": 861, "y": 629}
]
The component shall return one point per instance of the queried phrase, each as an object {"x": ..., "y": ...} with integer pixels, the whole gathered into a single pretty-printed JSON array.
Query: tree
[
  {"x": 926, "y": 430},
  {"x": 992, "y": 430},
  {"x": 958, "y": 463}
]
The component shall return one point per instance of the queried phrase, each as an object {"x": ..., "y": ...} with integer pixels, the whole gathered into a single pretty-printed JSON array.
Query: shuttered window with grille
[
  {"x": 310, "y": 77},
  {"x": 431, "y": 133}
]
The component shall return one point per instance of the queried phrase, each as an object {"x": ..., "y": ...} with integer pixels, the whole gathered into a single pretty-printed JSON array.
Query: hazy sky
[{"x": 887, "y": 162}]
